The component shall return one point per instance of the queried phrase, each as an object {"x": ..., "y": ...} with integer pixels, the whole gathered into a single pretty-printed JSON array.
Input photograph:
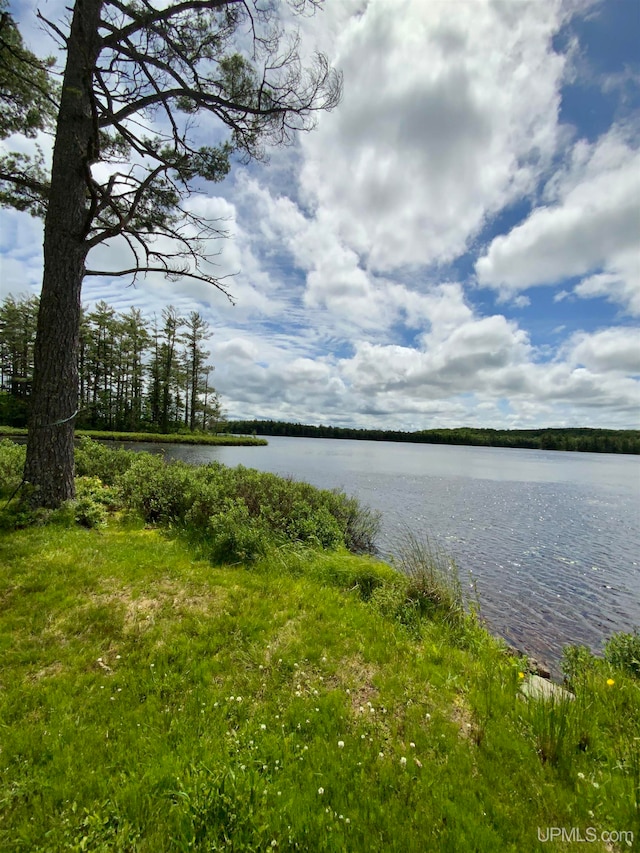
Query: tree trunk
[{"x": 49, "y": 466}]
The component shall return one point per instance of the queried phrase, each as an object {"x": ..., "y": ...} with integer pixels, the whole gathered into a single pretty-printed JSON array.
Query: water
[{"x": 550, "y": 540}]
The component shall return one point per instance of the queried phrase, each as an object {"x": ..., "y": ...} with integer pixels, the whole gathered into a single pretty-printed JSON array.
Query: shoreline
[{"x": 224, "y": 439}]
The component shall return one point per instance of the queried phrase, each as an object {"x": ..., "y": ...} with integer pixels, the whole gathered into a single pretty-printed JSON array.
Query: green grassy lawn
[
  {"x": 151, "y": 701},
  {"x": 172, "y": 438}
]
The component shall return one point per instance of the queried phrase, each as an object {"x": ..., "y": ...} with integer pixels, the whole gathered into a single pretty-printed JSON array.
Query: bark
[{"x": 49, "y": 465}]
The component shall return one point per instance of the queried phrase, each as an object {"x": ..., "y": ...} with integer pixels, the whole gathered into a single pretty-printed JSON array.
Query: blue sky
[{"x": 457, "y": 243}]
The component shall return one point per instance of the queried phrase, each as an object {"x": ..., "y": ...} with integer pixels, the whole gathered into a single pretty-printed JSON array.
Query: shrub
[
  {"x": 235, "y": 537},
  {"x": 96, "y": 460},
  {"x": 291, "y": 510},
  {"x": 208, "y": 499},
  {"x": 216, "y": 501},
  {"x": 12, "y": 458},
  {"x": 159, "y": 491},
  {"x": 360, "y": 525},
  {"x": 623, "y": 651},
  {"x": 93, "y": 500}
]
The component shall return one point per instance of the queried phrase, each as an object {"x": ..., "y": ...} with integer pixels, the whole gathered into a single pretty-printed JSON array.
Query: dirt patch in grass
[
  {"x": 142, "y": 611},
  {"x": 463, "y": 718},
  {"x": 49, "y": 671},
  {"x": 356, "y": 677},
  {"x": 137, "y": 611}
]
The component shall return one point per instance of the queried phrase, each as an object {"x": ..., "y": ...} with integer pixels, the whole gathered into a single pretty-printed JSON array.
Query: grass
[
  {"x": 159, "y": 438},
  {"x": 153, "y": 702},
  {"x": 153, "y": 699}
]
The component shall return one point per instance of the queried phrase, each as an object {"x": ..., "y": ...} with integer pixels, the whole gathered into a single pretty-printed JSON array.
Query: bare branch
[{"x": 179, "y": 273}]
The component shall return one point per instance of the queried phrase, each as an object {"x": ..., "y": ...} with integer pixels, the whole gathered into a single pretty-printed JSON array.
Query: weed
[
  {"x": 434, "y": 584},
  {"x": 551, "y": 722},
  {"x": 623, "y": 652}
]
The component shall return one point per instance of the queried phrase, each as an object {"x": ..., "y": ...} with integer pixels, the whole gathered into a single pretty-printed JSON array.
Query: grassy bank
[
  {"x": 159, "y": 693},
  {"x": 155, "y": 437}
]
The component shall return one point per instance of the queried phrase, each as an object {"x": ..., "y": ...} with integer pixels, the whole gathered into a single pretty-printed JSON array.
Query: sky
[{"x": 456, "y": 244}]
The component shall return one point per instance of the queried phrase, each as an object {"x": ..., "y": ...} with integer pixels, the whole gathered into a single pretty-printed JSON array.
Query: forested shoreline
[
  {"x": 139, "y": 374},
  {"x": 578, "y": 439},
  {"x": 135, "y": 373}
]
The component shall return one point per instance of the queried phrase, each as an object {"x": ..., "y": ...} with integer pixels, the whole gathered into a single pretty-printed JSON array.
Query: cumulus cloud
[
  {"x": 589, "y": 225},
  {"x": 438, "y": 128},
  {"x": 347, "y": 257},
  {"x": 461, "y": 362},
  {"x": 609, "y": 350}
]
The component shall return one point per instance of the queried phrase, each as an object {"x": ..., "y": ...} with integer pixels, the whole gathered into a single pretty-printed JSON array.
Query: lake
[{"x": 551, "y": 540}]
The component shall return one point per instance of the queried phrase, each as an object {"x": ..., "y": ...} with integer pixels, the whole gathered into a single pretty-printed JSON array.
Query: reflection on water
[{"x": 551, "y": 539}]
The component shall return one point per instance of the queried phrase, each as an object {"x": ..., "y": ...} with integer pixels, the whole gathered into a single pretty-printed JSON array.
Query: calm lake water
[{"x": 550, "y": 539}]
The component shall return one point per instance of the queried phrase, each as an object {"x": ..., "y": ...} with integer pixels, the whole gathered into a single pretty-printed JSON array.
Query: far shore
[{"x": 153, "y": 437}]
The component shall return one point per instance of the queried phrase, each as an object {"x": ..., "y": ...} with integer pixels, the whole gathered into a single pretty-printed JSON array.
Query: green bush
[
  {"x": 12, "y": 458},
  {"x": 212, "y": 502},
  {"x": 160, "y": 492},
  {"x": 93, "y": 500},
  {"x": 623, "y": 652},
  {"x": 95, "y": 460},
  {"x": 360, "y": 525},
  {"x": 290, "y": 510},
  {"x": 235, "y": 537}
]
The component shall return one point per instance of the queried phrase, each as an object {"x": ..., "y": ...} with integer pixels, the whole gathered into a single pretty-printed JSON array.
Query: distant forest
[
  {"x": 140, "y": 374},
  {"x": 582, "y": 439},
  {"x": 135, "y": 373}
]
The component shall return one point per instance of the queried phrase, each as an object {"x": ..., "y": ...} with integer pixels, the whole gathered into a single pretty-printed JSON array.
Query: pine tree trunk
[{"x": 49, "y": 466}]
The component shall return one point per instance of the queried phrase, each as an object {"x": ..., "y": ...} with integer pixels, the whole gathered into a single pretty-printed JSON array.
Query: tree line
[
  {"x": 581, "y": 438},
  {"x": 135, "y": 373}
]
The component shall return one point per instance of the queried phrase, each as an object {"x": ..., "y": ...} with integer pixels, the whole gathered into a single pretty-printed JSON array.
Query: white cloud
[
  {"x": 345, "y": 311},
  {"x": 461, "y": 362},
  {"x": 438, "y": 128},
  {"x": 589, "y": 224},
  {"x": 622, "y": 286},
  {"x": 20, "y": 265},
  {"x": 615, "y": 350}
]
